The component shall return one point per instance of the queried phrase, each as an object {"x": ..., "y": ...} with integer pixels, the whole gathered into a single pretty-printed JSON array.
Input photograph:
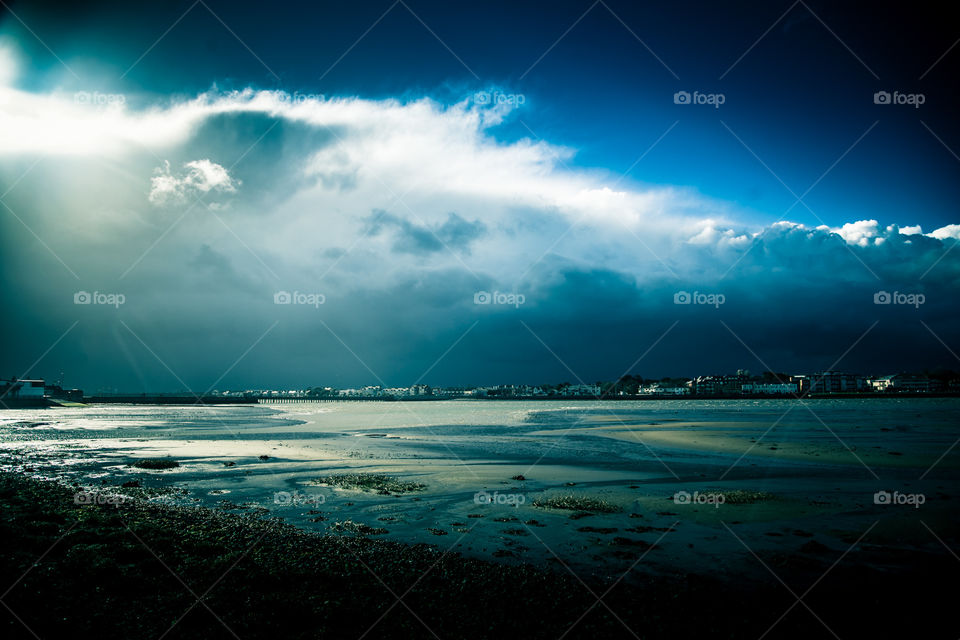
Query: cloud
[
  {"x": 410, "y": 237},
  {"x": 8, "y": 64},
  {"x": 949, "y": 231},
  {"x": 455, "y": 193},
  {"x": 199, "y": 177},
  {"x": 418, "y": 148},
  {"x": 448, "y": 147},
  {"x": 862, "y": 233},
  {"x": 398, "y": 212}
]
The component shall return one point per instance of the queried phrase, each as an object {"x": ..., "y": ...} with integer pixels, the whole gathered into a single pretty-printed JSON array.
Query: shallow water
[{"x": 819, "y": 462}]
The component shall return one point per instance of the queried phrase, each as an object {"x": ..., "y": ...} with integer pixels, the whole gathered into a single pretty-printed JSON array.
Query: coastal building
[
  {"x": 57, "y": 392},
  {"x": 656, "y": 389},
  {"x": 770, "y": 388},
  {"x": 906, "y": 382},
  {"x": 719, "y": 385},
  {"x": 451, "y": 392},
  {"x": 322, "y": 392},
  {"x": 802, "y": 381},
  {"x": 581, "y": 390},
  {"x": 20, "y": 388},
  {"x": 837, "y": 382}
]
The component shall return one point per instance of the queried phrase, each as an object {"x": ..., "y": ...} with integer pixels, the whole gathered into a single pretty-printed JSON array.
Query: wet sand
[{"x": 815, "y": 490}]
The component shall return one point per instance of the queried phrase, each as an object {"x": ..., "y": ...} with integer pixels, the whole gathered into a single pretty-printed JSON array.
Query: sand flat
[
  {"x": 635, "y": 457},
  {"x": 750, "y": 440}
]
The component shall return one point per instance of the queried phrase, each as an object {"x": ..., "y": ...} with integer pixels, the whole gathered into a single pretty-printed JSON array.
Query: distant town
[
  {"x": 17, "y": 392},
  {"x": 741, "y": 383}
]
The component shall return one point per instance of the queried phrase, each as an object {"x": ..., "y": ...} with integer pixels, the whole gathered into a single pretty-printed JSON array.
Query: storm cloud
[{"x": 400, "y": 215}]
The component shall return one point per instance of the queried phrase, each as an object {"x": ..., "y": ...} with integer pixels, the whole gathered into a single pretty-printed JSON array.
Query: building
[
  {"x": 769, "y": 388},
  {"x": 837, "y": 382},
  {"x": 451, "y": 392},
  {"x": 26, "y": 388},
  {"x": 802, "y": 381},
  {"x": 719, "y": 385},
  {"x": 656, "y": 389},
  {"x": 57, "y": 392},
  {"x": 581, "y": 390},
  {"x": 906, "y": 382}
]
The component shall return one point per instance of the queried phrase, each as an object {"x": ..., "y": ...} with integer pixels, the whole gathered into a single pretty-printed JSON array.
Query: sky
[{"x": 210, "y": 195}]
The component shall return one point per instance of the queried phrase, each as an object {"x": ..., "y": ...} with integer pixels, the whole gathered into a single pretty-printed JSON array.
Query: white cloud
[
  {"x": 8, "y": 64},
  {"x": 862, "y": 233},
  {"x": 200, "y": 176},
  {"x": 421, "y": 161},
  {"x": 445, "y": 149},
  {"x": 949, "y": 231}
]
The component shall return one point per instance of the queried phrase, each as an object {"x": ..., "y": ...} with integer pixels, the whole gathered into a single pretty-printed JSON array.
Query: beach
[{"x": 722, "y": 493}]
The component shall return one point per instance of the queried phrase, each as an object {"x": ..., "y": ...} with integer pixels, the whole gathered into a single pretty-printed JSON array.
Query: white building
[
  {"x": 656, "y": 390},
  {"x": 582, "y": 390}
]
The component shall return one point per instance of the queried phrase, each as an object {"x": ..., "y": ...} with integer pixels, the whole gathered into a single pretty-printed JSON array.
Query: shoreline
[
  {"x": 192, "y": 400},
  {"x": 378, "y": 492},
  {"x": 816, "y": 490}
]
